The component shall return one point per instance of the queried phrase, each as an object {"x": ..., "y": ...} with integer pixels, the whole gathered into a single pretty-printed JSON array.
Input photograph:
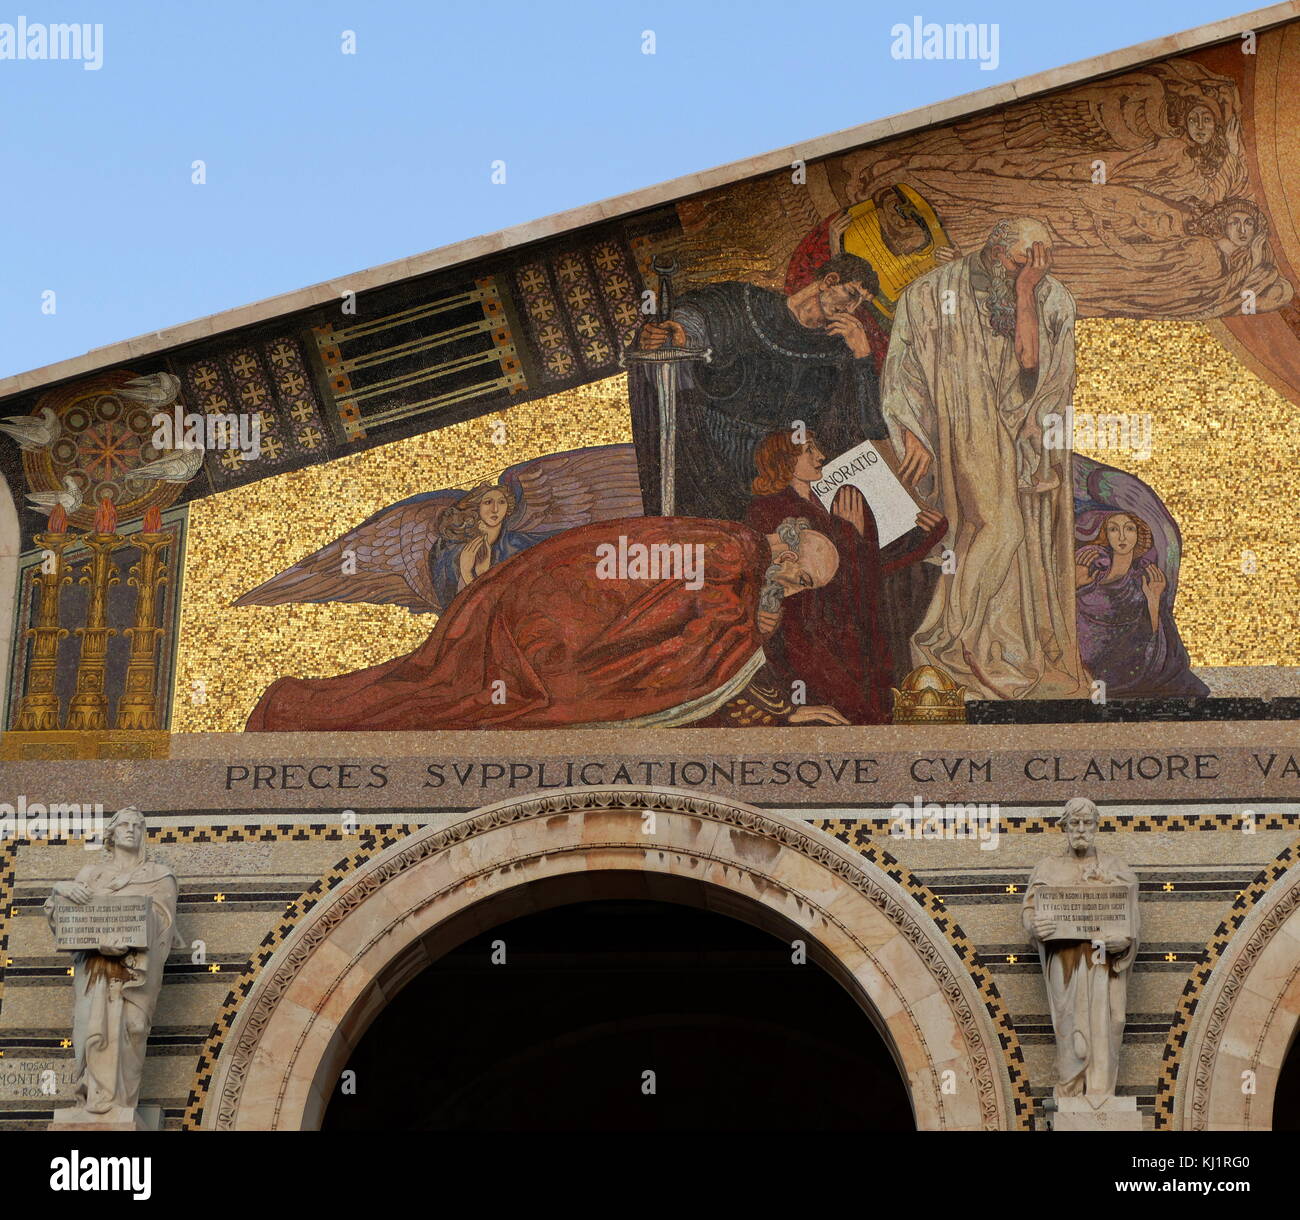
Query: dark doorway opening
[
  {"x": 1286, "y": 1101},
  {"x": 595, "y": 994}
]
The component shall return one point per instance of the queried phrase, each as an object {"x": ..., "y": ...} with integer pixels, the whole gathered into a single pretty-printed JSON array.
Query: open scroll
[{"x": 866, "y": 468}]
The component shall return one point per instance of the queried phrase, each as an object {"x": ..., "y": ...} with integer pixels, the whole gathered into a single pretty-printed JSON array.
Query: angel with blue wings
[{"x": 422, "y": 551}]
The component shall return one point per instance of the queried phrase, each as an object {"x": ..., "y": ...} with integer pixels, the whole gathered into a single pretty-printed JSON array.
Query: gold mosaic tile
[
  {"x": 239, "y": 538},
  {"x": 1223, "y": 458}
]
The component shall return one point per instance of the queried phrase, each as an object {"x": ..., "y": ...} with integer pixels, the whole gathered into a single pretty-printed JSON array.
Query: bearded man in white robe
[
  {"x": 1087, "y": 981},
  {"x": 980, "y": 366}
]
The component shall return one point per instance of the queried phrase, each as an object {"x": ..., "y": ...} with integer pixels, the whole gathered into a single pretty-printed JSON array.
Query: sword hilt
[
  {"x": 664, "y": 355},
  {"x": 665, "y": 267}
]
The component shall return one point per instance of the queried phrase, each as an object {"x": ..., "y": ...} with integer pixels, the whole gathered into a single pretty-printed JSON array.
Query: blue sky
[{"x": 320, "y": 163}]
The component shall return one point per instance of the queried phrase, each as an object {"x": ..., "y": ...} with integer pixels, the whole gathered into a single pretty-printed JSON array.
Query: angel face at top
[
  {"x": 1239, "y": 229},
  {"x": 481, "y": 513},
  {"x": 1200, "y": 125},
  {"x": 493, "y": 509}
]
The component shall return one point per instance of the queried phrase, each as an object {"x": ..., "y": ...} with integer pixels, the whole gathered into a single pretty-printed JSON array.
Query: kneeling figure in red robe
[{"x": 644, "y": 621}]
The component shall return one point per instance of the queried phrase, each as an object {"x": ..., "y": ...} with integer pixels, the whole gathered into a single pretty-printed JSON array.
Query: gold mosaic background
[
  {"x": 1222, "y": 457},
  {"x": 242, "y": 537}
]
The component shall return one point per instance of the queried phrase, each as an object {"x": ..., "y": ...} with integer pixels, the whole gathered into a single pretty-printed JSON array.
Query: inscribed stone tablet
[
  {"x": 1091, "y": 912},
  {"x": 119, "y": 920}
]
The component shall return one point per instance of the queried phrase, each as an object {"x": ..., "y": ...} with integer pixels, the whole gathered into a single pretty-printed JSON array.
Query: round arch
[
  {"x": 356, "y": 949},
  {"x": 1246, "y": 1020}
]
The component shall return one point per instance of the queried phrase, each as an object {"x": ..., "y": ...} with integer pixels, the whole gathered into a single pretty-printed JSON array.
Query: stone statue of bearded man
[{"x": 1086, "y": 979}]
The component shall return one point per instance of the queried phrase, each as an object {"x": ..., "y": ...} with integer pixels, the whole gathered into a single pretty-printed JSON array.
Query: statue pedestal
[
  {"x": 1112, "y": 1114},
  {"x": 119, "y": 1118}
]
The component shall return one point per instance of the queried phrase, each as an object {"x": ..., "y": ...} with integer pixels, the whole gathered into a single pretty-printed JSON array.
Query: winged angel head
[{"x": 422, "y": 551}]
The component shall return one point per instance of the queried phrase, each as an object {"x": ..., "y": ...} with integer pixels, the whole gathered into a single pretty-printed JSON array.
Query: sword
[{"x": 663, "y": 365}]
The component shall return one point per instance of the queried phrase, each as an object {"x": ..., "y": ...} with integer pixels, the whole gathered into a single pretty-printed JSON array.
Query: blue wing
[{"x": 561, "y": 490}]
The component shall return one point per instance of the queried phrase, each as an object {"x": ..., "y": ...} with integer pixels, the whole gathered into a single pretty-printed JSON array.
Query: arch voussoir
[{"x": 354, "y": 951}]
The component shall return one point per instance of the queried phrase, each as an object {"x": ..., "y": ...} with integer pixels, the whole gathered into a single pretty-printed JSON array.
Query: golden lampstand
[
  {"x": 39, "y": 709},
  {"x": 88, "y": 707},
  {"x": 138, "y": 706}
]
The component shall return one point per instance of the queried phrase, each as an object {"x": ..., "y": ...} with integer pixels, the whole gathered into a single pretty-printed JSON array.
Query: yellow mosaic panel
[
  {"x": 241, "y": 537},
  {"x": 1223, "y": 459}
]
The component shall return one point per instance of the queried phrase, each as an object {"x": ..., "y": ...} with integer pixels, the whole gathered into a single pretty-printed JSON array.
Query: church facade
[{"x": 847, "y": 586}]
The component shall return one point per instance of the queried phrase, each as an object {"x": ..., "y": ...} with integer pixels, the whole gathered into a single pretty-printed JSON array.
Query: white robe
[
  {"x": 1002, "y": 624},
  {"x": 112, "y": 1016},
  {"x": 1088, "y": 999}
]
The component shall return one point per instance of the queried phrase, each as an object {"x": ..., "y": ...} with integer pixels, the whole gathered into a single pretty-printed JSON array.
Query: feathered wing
[
  {"x": 1074, "y": 121},
  {"x": 390, "y": 549},
  {"x": 389, "y": 564},
  {"x": 46, "y": 499},
  {"x": 562, "y": 490}
]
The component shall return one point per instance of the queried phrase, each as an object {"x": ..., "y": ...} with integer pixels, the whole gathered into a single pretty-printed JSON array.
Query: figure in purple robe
[{"x": 1124, "y": 606}]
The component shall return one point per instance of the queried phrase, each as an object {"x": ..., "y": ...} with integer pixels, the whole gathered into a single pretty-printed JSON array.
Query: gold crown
[{"x": 929, "y": 696}]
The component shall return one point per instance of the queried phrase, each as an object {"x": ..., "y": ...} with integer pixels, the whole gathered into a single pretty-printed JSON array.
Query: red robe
[
  {"x": 834, "y": 638},
  {"x": 571, "y": 649}
]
